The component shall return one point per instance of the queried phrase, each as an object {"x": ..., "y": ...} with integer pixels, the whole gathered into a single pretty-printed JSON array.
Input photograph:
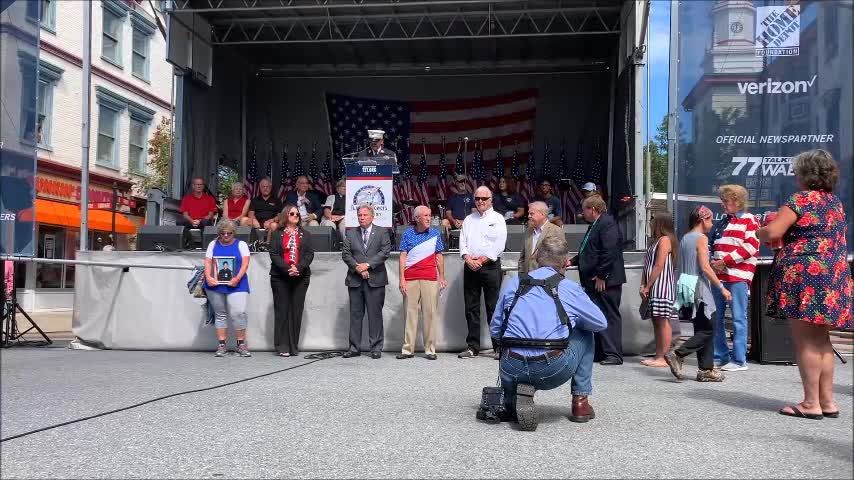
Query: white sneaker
[{"x": 734, "y": 367}]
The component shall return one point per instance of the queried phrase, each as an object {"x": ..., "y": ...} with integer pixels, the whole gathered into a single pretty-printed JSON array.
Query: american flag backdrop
[{"x": 503, "y": 118}]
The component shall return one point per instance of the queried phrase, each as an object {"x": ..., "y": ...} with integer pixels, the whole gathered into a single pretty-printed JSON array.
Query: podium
[{"x": 370, "y": 181}]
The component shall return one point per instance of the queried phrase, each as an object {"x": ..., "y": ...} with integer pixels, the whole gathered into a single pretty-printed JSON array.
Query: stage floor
[{"x": 361, "y": 418}]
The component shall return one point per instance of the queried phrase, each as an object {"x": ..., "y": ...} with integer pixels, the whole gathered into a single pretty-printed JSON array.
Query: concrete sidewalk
[{"x": 388, "y": 418}]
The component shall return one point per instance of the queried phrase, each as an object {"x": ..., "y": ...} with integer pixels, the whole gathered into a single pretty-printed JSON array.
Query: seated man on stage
[
  {"x": 263, "y": 209},
  {"x": 334, "y": 208},
  {"x": 307, "y": 201},
  {"x": 377, "y": 150},
  {"x": 544, "y": 324},
  {"x": 198, "y": 207},
  {"x": 460, "y": 205},
  {"x": 548, "y": 197}
]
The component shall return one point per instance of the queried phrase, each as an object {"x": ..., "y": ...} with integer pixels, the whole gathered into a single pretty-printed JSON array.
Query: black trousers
[
  {"x": 702, "y": 343},
  {"x": 365, "y": 297},
  {"x": 487, "y": 280},
  {"x": 609, "y": 342},
  {"x": 288, "y": 303},
  {"x": 202, "y": 224}
]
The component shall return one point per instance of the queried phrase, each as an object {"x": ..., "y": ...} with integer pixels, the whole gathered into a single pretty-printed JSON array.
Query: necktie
[{"x": 365, "y": 237}]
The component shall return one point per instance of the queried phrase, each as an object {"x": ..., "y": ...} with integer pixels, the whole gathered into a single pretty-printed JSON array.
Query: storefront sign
[
  {"x": 757, "y": 84},
  {"x": 56, "y": 188}
]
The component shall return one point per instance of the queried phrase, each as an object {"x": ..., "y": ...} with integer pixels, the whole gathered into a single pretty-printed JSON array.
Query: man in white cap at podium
[{"x": 377, "y": 151}]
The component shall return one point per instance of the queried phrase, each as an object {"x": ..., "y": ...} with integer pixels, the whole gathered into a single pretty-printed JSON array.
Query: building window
[
  {"x": 140, "y": 55},
  {"x": 108, "y": 132},
  {"x": 49, "y": 75},
  {"x": 111, "y": 37},
  {"x": 29, "y": 107},
  {"x": 137, "y": 151},
  {"x": 48, "y": 18}
]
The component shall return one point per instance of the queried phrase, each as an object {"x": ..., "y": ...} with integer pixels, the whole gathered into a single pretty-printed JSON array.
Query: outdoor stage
[
  {"x": 150, "y": 309},
  {"x": 387, "y": 418}
]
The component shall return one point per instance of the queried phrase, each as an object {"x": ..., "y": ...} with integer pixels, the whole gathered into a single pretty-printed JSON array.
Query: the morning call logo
[
  {"x": 369, "y": 194},
  {"x": 778, "y": 31}
]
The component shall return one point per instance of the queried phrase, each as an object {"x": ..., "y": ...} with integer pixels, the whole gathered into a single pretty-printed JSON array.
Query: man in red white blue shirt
[{"x": 422, "y": 275}]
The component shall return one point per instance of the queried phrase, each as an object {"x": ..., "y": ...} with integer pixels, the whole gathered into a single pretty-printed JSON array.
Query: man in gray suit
[
  {"x": 539, "y": 228},
  {"x": 365, "y": 250}
]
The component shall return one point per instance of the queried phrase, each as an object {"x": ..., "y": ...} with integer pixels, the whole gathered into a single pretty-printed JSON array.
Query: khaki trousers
[{"x": 421, "y": 296}]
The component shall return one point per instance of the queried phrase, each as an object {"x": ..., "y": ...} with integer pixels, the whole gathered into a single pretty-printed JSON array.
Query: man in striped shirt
[
  {"x": 735, "y": 247},
  {"x": 422, "y": 275}
]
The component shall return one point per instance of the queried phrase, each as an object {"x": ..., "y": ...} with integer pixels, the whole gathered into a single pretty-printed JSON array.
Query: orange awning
[{"x": 58, "y": 213}]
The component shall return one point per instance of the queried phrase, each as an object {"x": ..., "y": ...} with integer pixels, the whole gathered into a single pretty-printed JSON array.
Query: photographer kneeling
[{"x": 545, "y": 326}]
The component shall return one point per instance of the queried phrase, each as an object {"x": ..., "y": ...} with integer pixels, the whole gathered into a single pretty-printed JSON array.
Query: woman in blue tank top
[{"x": 227, "y": 285}]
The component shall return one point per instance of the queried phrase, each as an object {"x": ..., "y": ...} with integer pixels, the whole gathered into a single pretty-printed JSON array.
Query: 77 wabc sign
[{"x": 768, "y": 166}]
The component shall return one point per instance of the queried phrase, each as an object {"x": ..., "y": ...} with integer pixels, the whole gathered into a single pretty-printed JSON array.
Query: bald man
[{"x": 482, "y": 241}]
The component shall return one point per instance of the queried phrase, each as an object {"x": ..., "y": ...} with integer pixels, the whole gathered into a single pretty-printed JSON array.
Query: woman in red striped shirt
[{"x": 734, "y": 253}]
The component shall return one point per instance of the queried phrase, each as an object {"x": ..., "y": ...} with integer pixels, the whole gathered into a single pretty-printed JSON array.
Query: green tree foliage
[
  {"x": 159, "y": 157},
  {"x": 658, "y": 157}
]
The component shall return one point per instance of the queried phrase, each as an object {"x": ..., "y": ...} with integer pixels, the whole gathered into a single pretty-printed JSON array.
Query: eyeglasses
[
  {"x": 225, "y": 234},
  {"x": 293, "y": 214},
  {"x": 482, "y": 199},
  {"x": 198, "y": 184}
]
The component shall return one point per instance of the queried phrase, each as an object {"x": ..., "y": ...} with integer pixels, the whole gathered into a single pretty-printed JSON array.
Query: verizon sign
[
  {"x": 778, "y": 31},
  {"x": 771, "y": 86}
]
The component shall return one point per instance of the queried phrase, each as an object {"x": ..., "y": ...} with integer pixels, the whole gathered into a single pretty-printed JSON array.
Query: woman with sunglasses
[
  {"x": 290, "y": 257},
  {"x": 228, "y": 297}
]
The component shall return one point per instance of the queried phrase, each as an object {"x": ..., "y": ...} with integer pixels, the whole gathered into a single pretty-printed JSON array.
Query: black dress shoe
[
  {"x": 430, "y": 356},
  {"x": 351, "y": 354},
  {"x": 611, "y": 361},
  {"x": 401, "y": 356},
  {"x": 376, "y": 355}
]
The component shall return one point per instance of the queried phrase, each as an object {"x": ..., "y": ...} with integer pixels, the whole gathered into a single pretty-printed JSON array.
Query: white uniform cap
[
  {"x": 589, "y": 186},
  {"x": 376, "y": 134}
]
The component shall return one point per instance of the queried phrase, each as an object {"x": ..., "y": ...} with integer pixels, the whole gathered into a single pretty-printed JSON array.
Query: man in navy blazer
[
  {"x": 307, "y": 201},
  {"x": 365, "y": 251}
]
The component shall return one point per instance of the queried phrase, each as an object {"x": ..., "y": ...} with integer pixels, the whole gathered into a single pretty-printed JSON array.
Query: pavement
[{"x": 388, "y": 418}]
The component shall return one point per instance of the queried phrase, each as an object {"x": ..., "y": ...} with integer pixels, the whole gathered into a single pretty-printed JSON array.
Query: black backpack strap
[
  {"x": 551, "y": 286},
  {"x": 526, "y": 283},
  {"x": 523, "y": 288}
]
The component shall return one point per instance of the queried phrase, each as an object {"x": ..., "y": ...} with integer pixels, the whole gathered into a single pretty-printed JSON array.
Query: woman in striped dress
[{"x": 658, "y": 286}]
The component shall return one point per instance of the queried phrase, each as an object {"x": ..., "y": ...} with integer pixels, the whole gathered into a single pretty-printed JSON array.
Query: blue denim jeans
[
  {"x": 575, "y": 363},
  {"x": 740, "y": 293}
]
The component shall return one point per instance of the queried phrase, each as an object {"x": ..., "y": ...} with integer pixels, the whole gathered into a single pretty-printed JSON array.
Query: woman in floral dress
[{"x": 811, "y": 282}]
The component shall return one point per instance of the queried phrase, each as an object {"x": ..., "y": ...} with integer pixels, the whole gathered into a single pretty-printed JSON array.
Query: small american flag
[
  {"x": 298, "y": 168},
  {"x": 442, "y": 184},
  {"x": 478, "y": 173},
  {"x": 251, "y": 181},
  {"x": 421, "y": 192},
  {"x": 460, "y": 165},
  {"x": 312, "y": 164},
  {"x": 285, "y": 184},
  {"x": 498, "y": 169},
  {"x": 323, "y": 182},
  {"x": 514, "y": 163},
  {"x": 269, "y": 171},
  {"x": 528, "y": 188},
  {"x": 570, "y": 195},
  {"x": 546, "y": 173}
]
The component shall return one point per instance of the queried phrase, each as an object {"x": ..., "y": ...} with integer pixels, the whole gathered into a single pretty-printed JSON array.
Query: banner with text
[
  {"x": 21, "y": 126},
  {"x": 758, "y": 83},
  {"x": 369, "y": 185}
]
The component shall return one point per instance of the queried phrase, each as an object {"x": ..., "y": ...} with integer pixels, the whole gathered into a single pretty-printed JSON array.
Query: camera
[{"x": 492, "y": 408}]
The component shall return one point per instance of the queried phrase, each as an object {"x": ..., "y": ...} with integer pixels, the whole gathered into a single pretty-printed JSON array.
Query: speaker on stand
[{"x": 771, "y": 338}]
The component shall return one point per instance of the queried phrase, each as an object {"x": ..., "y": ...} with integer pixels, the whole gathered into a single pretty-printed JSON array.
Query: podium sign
[{"x": 372, "y": 185}]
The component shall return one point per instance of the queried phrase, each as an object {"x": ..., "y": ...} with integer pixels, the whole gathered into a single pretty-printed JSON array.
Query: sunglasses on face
[
  {"x": 226, "y": 234},
  {"x": 482, "y": 199},
  {"x": 293, "y": 214}
]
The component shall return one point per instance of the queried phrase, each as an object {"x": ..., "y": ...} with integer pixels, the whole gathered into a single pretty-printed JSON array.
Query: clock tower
[{"x": 733, "y": 39}]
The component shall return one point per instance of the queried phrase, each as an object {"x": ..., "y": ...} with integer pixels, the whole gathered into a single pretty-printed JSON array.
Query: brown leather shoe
[{"x": 581, "y": 409}]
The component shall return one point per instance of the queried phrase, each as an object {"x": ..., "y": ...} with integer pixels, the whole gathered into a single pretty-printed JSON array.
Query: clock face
[{"x": 736, "y": 27}]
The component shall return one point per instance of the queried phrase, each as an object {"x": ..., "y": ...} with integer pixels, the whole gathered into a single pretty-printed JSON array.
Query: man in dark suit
[
  {"x": 307, "y": 201},
  {"x": 364, "y": 251},
  {"x": 601, "y": 272},
  {"x": 539, "y": 229}
]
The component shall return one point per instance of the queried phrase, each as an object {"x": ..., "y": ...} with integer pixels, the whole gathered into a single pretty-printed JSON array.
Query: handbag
[
  {"x": 644, "y": 309},
  {"x": 196, "y": 284}
]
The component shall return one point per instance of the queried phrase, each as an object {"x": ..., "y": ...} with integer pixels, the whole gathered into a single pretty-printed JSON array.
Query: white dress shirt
[
  {"x": 535, "y": 237},
  {"x": 483, "y": 235},
  {"x": 301, "y": 201}
]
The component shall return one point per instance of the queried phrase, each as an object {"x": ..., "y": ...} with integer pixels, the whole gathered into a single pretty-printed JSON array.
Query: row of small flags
[{"x": 419, "y": 190}]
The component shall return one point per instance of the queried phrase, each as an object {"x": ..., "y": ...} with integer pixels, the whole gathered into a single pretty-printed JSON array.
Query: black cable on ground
[{"x": 315, "y": 357}]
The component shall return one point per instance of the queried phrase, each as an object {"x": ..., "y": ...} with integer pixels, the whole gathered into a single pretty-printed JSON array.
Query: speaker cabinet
[
  {"x": 574, "y": 234},
  {"x": 324, "y": 238},
  {"x": 247, "y": 234},
  {"x": 164, "y": 238},
  {"x": 515, "y": 238},
  {"x": 771, "y": 338}
]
